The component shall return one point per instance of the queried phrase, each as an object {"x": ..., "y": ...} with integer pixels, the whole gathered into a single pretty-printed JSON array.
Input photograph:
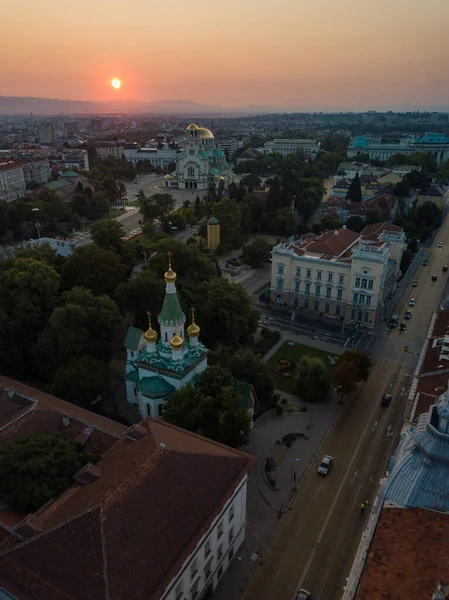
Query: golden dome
[
  {"x": 176, "y": 343},
  {"x": 193, "y": 330},
  {"x": 170, "y": 275},
  {"x": 150, "y": 335},
  {"x": 192, "y": 127},
  {"x": 205, "y": 133}
]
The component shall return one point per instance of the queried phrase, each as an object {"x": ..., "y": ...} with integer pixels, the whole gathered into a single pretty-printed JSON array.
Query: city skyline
[{"x": 322, "y": 55}]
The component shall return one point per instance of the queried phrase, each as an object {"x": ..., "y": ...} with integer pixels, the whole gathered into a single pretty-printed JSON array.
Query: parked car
[
  {"x": 386, "y": 400},
  {"x": 425, "y": 263},
  {"x": 440, "y": 244},
  {"x": 412, "y": 302},
  {"x": 434, "y": 277},
  {"x": 408, "y": 315},
  {"x": 415, "y": 284},
  {"x": 303, "y": 595},
  {"x": 326, "y": 465},
  {"x": 403, "y": 326},
  {"x": 444, "y": 268}
]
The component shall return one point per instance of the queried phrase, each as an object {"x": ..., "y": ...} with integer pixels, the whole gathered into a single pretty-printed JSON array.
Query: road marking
[
  {"x": 356, "y": 496},
  {"x": 299, "y": 529},
  {"x": 354, "y": 477},
  {"x": 277, "y": 575},
  {"x": 339, "y": 542},
  {"x": 374, "y": 427},
  {"x": 322, "y": 587},
  {"x": 367, "y": 466},
  {"x": 317, "y": 491}
]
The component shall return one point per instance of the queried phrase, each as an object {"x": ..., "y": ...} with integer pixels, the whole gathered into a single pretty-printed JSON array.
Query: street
[{"x": 316, "y": 541}]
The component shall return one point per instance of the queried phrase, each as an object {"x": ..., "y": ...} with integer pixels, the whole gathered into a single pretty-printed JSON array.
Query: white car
[
  {"x": 326, "y": 465},
  {"x": 412, "y": 302},
  {"x": 440, "y": 244}
]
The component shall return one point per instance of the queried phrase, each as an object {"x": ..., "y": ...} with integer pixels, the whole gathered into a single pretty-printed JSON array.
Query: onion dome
[
  {"x": 150, "y": 335},
  {"x": 193, "y": 330},
  {"x": 176, "y": 343},
  {"x": 170, "y": 275}
]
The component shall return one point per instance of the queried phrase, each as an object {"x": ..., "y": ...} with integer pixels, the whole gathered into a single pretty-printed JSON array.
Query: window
[
  {"x": 298, "y": 272},
  {"x": 231, "y": 534},
  {"x": 317, "y": 290},
  {"x": 364, "y": 282},
  {"x": 135, "y": 391},
  {"x": 192, "y": 152},
  {"x": 341, "y": 279},
  {"x": 231, "y": 512},
  {"x": 230, "y": 554},
  {"x": 328, "y": 292},
  {"x": 194, "y": 568},
  {"x": 220, "y": 571},
  {"x": 317, "y": 305},
  {"x": 326, "y": 308},
  {"x": 370, "y": 284},
  {"x": 368, "y": 301},
  {"x": 296, "y": 302},
  {"x": 337, "y": 310},
  {"x": 190, "y": 171},
  {"x": 160, "y": 410},
  {"x": 355, "y": 298},
  {"x": 297, "y": 284},
  {"x": 307, "y": 290},
  {"x": 207, "y": 549},
  {"x": 329, "y": 277},
  {"x": 309, "y": 273},
  {"x": 366, "y": 317},
  {"x": 208, "y": 570},
  {"x": 194, "y": 590},
  {"x": 220, "y": 530},
  {"x": 220, "y": 552},
  {"x": 280, "y": 269},
  {"x": 306, "y": 303},
  {"x": 360, "y": 316},
  {"x": 362, "y": 299},
  {"x": 179, "y": 590},
  {"x": 319, "y": 275},
  {"x": 357, "y": 282},
  {"x": 339, "y": 294},
  {"x": 279, "y": 283}
]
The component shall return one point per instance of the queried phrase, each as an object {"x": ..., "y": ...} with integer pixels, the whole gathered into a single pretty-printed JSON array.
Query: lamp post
[
  {"x": 38, "y": 225},
  {"x": 293, "y": 476}
]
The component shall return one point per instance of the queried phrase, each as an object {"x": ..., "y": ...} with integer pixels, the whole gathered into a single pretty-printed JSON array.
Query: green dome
[
  {"x": 213, "y": 221},
  {"x": 214, "y": 171},
  {"x": 219, "y": 153}
]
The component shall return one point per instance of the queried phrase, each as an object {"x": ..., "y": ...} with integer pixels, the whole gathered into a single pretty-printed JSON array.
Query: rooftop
[{"x": 407, "y": 558}]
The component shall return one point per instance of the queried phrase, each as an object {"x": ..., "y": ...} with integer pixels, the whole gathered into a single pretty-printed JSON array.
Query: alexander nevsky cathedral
[{"x": 201, "y": 165}]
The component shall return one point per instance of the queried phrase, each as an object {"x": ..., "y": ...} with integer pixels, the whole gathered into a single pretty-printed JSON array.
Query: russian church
[
  {"x": 157, "y": 367},
  {"x": 201, "y": 165}
]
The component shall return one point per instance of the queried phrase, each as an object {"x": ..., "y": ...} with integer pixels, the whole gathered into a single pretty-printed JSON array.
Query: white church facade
[{"x": 201, "y": 165}]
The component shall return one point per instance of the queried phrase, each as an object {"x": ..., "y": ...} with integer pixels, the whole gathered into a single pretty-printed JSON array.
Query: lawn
[{"x": 293, "y": 354}]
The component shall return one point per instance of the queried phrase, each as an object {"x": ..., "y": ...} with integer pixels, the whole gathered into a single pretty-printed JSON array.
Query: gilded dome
[
  {"x": 176, "y": 343},
  {"x": 193, "y": 330},
  {"x": 205, "y": 133},
  {"x": 150, "y": 335},
  {"x": 192, "y": 127},
  {"x": 170, "y": 275}
]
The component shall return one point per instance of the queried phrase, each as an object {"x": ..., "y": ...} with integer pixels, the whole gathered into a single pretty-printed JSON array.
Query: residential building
[
  {"x": 158, "y": 157},
  {"x": 201, "y": 165},
  {"x": 286, "y": 147},
  {"x": 156, "y": 368},
  {"x": 64, "y": 187},
  {"x": 229, "y": 147},
  {"x": 250, "y": 154},
  {"x": 12, "y": 180},
  {"x": 385, "y": 205},
  {"x": 436, "y": 144},
  {"x": 348, "y": 170},
  {"x": 36, "y": 171},
  {"x": 339, "y": 273},
  {"x": 437, "y": 194},
  {"x": 76, "y": 158},
  {"x": 110, "y": 149},
  {"x": 47, "y": 133},
  {"x": 160, "y": 516}
]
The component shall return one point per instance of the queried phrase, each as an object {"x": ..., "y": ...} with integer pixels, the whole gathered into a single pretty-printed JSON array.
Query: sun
[{"x": 116, "y": 83}]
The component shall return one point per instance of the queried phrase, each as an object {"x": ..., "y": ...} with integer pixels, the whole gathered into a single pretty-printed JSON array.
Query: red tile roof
[
  {"x": 154, "y": 500},
  {"x": 8, "y": 165},
  {"x": 372, "y": 232},
  {"x": 332, "y": 243},
  {"x": 408, "y": 556}
]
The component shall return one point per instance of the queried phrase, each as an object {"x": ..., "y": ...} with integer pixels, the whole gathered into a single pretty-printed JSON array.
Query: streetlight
[
  {"x": 36, "y": 210},
  {"x": 292, "y": 476}
]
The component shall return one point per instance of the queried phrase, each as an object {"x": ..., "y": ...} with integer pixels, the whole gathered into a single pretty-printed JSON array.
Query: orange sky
[{"x": 339, "y": 53}]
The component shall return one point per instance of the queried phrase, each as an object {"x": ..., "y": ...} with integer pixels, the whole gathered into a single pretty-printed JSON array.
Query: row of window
[
  {"x": 195, "y": 588},
  {"x": 362, "y": 299},
  {"x": 316, "y": 306},
  {"x": 364, "y": 282},
  {"x": 308, "y": 274},
  {"x": 360, "y": 316},
  {"x": 307, "y": 289}
]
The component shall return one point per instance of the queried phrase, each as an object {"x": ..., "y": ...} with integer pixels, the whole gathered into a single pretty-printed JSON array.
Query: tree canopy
[
  {"x": 256, "y": 252},
  {"x": 81, "y": 380},
  {"x": 313, "y": 379},
  {"x": 355, "y": 224},
  {"x": 354, "y": 193}
]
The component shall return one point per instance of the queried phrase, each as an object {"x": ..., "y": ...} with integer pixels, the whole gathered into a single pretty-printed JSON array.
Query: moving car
[
  {"x": 403, "y": 326},
  {"x": 412, "y": 302},
  {"x": 393, "y": 321},
  {"x": 415, "y": 284},
  {"x": 425, "y": 263},
  {"x": 303, "y": 595},
  {"x": 434, "y": 277},
  {"x": 408, "y": 315},
  {"x": 440, "y": 244},
  {"x": 444, "y": 267},
  {"x": 386, "y": 400},
  {"x": 326, "y": 465}
]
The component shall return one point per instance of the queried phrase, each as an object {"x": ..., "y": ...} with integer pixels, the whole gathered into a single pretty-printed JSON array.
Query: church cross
[
  {"x": 193, "y": 314},
  {"x": 169, "y": 258}
]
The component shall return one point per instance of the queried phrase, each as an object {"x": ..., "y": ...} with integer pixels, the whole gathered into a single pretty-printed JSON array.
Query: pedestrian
[{"x": 362, "y": 508}]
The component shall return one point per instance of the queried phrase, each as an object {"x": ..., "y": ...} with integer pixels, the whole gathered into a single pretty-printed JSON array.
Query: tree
[
  {"x": 417, "y": 179},
  {"x": 251, "y": 180},
  {"x": 428, "y": 214},
  {"x": 344, "y": 379},
  {"x": 35, "y": 469},
  {"x": 258, "y": 251},
  {"x": 81, "y": 380},
  {"x": 108, "y": 234},
  {"x": 406, "y": 260},
  {"x": 139, "y": 295},
  {"x": 229, "y": 214},
  {"x": 355, "y": 224},
  {"x": 401, "y": 189},
  {"x": 330, "y": 222},
  {"x": 313, "y": 379},
  {"x": 95, "y": 268},
  {"x": 187, "y": 260},
  {"x": 43, "y": 253},
  {"x": 373, "y": 216},
  {"x": 157, "y": 206},
  {"x": 354, "y": 193},
  {"x": 210, "y": 409},
  {"x": 361, "y": 363}
]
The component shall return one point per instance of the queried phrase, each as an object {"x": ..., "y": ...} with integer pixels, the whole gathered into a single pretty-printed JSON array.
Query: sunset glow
[{"x": 116, "y": 83}]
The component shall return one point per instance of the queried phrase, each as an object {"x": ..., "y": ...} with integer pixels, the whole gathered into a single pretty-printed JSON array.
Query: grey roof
[{"x": 420, "y": 473}]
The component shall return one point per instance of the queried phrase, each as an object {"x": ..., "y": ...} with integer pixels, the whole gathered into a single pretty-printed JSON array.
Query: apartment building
[
  {"x": 110, "y": 149},
  {"x": 36, "y": 171},
  {"x": 339, "y": 273},
  {"x": 12, "y": 180},
  {"x": 287, "y": 147},
  {"x": 229, "y": 147}
]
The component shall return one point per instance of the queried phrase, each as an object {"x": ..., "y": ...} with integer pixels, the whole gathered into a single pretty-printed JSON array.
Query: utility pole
[{"x": 38, "y": 225}]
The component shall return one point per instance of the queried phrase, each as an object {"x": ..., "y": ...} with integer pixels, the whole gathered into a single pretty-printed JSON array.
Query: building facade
[
  {"x": 339, "y": 273},
  {"x": 287, "y": 147},
  {"x": 12, "y": 181},
  {"x": 229, "y": 147},
  {"x": 436, "y": 144},
  {"x": 158, "y": 157},
  {"x": 36, "y": 171},
  {"x": 110, "y": 149},
  {"x": 201, "y": 164}
]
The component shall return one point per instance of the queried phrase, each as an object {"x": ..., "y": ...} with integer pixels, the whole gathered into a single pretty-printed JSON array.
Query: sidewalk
[{"x": 305, "y": 340}]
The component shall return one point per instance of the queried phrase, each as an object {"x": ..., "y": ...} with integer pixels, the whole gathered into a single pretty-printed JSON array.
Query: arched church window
[{"x": 191, "y": 171}]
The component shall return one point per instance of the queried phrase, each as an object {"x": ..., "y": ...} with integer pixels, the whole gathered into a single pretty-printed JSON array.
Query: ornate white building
[{"x": 201, "y": 165}]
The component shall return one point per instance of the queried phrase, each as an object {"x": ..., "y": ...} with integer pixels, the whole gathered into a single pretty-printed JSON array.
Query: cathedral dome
[
  {"x": 150, "y": 335},
  {"x": 214, "y": 171},
  {"x": 219, "y": 153},
  {"x": 205, "y": 133},
  {"x": 193, "y": 330},
  {"x": 192, "y": 127},
  {"x": 176, "y": 343}
]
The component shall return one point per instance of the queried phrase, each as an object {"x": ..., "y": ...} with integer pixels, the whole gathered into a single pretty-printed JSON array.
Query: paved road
[{"x": 316, "y": 541}]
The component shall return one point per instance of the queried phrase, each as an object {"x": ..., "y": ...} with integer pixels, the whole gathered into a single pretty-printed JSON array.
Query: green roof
[
  {"x": 214, "y": 171},
  {"x": 171, "y": 312},
  {"x": 70, "y": 174},
  {"x": 213, "y": 221},
  {"x": 155, "y": 385},
  {"x": 203, "y": 154},
  {"x": 133, "y": 375},
  {"x": 219, "y": 153},
  {"x": 132, "y": 338},
  {"x": 56, "y": 185},
  {"x": 243, "y": 389}
]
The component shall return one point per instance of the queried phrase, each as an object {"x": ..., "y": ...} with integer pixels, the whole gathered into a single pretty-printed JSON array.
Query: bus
[{"x": 393, "y": 321}]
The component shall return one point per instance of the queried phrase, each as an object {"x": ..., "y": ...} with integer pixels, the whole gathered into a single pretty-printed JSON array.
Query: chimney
[
  {"x": 65, "y": 420},
  {"x": 88, "y": 474},
  {"x": 11, "y": 392},
  {"x": 336, "y": 232},
  {"x": 344, "y": 227},
  {"x": 83, "y": 437},
  {"x": 136, "y": 432},
  {"x": 29, "y": 527},
  {"x": 441, "y": 593}
]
